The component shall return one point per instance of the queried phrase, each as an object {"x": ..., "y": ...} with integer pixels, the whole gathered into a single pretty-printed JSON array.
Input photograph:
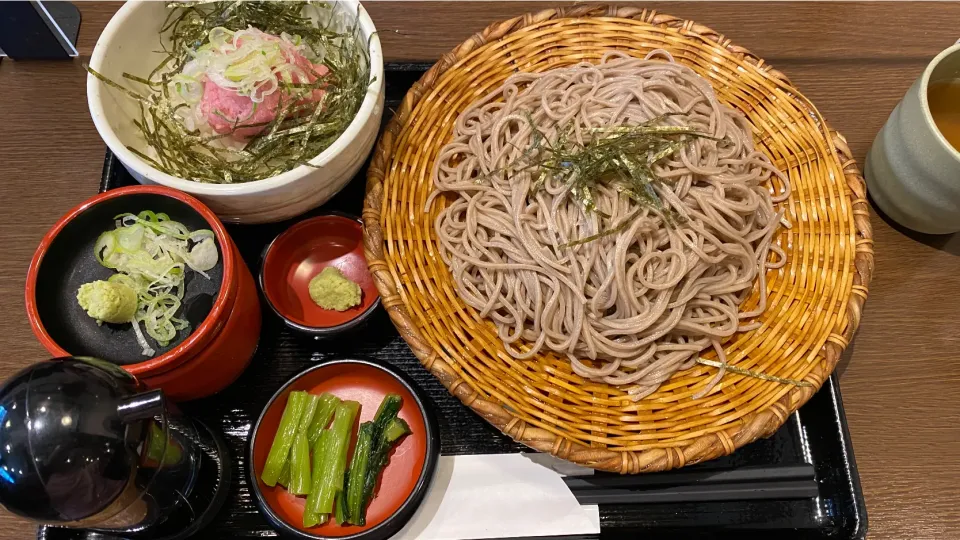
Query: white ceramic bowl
[{"x": 130, "y": 43}]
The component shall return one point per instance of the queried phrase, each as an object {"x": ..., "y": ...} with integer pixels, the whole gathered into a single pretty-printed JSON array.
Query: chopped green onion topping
[{"x": 151, "y": 252}]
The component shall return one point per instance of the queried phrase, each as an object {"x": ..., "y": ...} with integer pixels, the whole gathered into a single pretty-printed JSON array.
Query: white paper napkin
[{"x": 500, "y": 496}]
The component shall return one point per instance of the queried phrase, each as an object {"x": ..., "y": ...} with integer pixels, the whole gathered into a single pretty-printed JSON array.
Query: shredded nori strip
[
  {"x": 623, "y": 156},
  {"x": 298, "y": 134},
  {"x": 751, "y": 373}
]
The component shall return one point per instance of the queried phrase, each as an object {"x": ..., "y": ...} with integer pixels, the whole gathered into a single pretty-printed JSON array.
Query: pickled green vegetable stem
[{"x": 286, "y": 432}]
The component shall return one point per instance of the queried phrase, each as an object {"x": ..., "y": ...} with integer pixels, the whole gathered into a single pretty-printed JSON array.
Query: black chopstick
[{"x": 745, "y": 483}]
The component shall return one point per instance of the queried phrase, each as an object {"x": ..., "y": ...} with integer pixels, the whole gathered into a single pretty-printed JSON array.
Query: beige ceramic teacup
[{"x": 912, "y": 172}]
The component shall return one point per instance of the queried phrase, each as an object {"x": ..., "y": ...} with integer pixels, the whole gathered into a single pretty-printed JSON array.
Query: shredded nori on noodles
[{"x": 621, "y": 155}]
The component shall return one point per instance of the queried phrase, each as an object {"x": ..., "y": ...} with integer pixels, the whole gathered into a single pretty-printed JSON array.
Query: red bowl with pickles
[{"x": 410, "y": 466}]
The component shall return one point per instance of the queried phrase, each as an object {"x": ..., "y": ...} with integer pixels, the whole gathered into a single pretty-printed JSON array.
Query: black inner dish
[{"x": 70, "y": 262}]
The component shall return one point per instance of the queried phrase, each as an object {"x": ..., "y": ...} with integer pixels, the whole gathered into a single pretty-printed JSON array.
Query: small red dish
[
  {"x": 404, "y": 481},
  {"x": 299, "y": 254}
]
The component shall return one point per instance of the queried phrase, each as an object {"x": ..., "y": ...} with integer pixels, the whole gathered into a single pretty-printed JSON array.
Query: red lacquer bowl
[
  {"x": 299, "y": 254},
  {"x": 223, "y": 311},
  {"x": 409, "y": 471}
]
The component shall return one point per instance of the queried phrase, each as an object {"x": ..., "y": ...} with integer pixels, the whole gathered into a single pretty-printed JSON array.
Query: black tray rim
[{"x": 859, "y": 528}]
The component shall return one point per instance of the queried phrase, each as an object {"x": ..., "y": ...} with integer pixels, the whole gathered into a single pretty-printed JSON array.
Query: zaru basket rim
[{"x": 726, "y": 432}]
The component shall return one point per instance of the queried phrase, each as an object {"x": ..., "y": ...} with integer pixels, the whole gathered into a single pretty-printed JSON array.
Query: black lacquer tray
[{"x": 816, "y": 435}]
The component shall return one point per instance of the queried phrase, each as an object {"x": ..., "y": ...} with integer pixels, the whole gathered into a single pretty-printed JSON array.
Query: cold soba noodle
[{"x": 630, "y": 284}]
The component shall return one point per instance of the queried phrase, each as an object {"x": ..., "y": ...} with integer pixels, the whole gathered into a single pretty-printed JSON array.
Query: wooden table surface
[{"x": 900, "y": 377}]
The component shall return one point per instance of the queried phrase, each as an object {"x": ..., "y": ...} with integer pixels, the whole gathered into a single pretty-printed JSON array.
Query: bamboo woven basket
[{"x": 815, "y": 300}]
